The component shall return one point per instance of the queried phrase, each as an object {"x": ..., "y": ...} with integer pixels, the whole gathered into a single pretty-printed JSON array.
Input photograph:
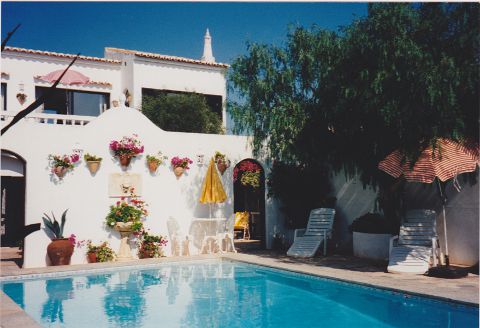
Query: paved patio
[{"x": 346, "y": 268}]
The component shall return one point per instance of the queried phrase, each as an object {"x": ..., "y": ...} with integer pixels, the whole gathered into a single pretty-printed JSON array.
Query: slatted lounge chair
[
  {"x": 319, "y": 228},
  {"x": 415, "y": 249}
]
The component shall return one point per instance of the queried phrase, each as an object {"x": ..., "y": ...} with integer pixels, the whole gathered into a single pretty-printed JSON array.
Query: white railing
[{"x": 7, "y": 116}]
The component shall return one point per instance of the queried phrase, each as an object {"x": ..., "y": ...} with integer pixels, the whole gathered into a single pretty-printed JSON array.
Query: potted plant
[
  {"x": 126, "y": 149},
  {"x": 21, "y": 97},
  {"x": 371, "y": 236},
  {"x": 100, "y": 253},
  {"x": 154, "y": 161},
  {"x": 223, "y": 163},
  {"x": 179, "y": 165},
  {"x": 150, "y": 246},
  {"x": 93, "y": 162},
  {"x": 60, "y": 249},
  {"x": 249, "y": 174},
  {"x": 127, "y": 216},
  {"x": 62, "y": 163}
]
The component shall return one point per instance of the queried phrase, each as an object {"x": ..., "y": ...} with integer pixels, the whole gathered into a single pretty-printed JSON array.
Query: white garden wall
[{"x": 86, "y": 196}]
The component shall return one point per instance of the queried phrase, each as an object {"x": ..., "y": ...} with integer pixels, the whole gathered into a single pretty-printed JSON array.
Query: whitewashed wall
[
  {"x": 86, "y": 196},
  {"x": 22, "y": 68}
]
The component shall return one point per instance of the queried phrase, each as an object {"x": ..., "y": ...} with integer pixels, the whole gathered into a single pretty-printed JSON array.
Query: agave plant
[{"x": 52, "y": 225}]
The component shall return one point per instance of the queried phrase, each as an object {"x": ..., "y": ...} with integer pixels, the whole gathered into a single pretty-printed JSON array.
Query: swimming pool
[{"x": 224, "y": 294}]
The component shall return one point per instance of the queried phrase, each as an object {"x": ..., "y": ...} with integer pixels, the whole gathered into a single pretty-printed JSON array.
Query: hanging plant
[
  {"x": 60, "y": 164},
  {"x": 93, "y": 162},
  {"x": 180, "y": 165},
  {"x": 223, "y": 163},
  {"x": 249, "y": 174},
  {"x": 126, "y": 148},
  {"x": 154, "y": 161}
]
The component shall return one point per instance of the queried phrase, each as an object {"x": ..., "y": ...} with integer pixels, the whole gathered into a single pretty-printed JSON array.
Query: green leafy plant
[
  {"x": 91, "y": 158},
  {"x": 128, "y": 209},
  {"x": 103, "y": 251},
  {"x": 53, "y": 226},
  {"x": 221, "y": 158},
  {"x": 150, "y": 245},
  {"x": 159, "y": 159}
]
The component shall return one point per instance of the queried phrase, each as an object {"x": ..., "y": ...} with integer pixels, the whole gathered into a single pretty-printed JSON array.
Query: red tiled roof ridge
[
  {"x": 165, "y": 57},
  {"x": 61, "y": 55}
]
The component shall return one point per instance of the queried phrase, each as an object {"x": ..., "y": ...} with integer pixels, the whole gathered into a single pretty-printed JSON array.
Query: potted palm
[
  {"x": 93, "y": 162},
  {"x": 126, "y": 149},
  {"x": 154, "y": 161},
  {"x": 223, "y": 163},
  {"x": 179, "y": 165},
  {"x": 60, "y": 249}
]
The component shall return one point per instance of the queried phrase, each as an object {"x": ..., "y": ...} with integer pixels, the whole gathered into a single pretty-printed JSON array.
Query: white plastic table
[{"x": 211, "y": 231}]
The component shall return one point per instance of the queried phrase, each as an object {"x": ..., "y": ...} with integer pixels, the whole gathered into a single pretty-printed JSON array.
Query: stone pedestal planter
[
  {"x": 125, "y": 230},
  {"x": 371, "y": 245}
]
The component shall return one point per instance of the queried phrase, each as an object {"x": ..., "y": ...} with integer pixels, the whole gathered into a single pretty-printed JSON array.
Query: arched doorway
[
  {"x": 12, "y": 199},
  {"x": 249, "y": 196}
]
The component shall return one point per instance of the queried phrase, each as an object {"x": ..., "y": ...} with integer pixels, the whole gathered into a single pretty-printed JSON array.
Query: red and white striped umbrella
[
  {"x": 71, "y": 77},
  {"x": 446, "y": 161}
]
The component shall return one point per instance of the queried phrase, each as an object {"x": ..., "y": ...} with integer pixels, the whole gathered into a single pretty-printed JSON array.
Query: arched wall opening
[
  {"x": 249, "y": 196},
  {"x": 13, "y": 173}
]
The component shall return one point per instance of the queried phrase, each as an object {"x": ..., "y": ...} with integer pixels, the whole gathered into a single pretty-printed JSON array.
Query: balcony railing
[{"x": 59, "y": 119}]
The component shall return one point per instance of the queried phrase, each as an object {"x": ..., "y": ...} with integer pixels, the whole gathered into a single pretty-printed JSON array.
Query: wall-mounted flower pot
[
  {"x": 93, "y": 166},
  {"x": 222, "y": 167},
  {"x": 92, "y": 257},
  {"x": 60, "y": 251},
  {"x": 178, "y": 171},
  {"x": 60, "y": 171},
  {"x": 124, "y": 160},
  {"x": 152, "y": 166}
]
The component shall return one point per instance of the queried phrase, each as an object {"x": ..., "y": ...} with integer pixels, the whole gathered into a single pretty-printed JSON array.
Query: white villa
[{"x": 85, "y": 118}]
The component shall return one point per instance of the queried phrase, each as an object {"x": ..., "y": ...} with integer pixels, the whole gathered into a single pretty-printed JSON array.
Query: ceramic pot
[
  {"x": 178, "y": 171},
  {"x": 147, "y": 253},
  {"x": 152, "y": 166},
  {"x": 222, "y": 167},
  {"x": 93, "y": 166},
  {"x": 92, "y": 257},
  {"x": 60, "y": 171},
  {"x": 124, "y": 160},
  {"x": 60, "y": 251}
]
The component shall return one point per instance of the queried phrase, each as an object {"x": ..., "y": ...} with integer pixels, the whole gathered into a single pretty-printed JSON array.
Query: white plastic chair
[
  {"x": 415, "y": 249},
  {"x": 319, "y": 228}
]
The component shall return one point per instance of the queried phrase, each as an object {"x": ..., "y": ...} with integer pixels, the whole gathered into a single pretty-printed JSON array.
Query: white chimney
[{"x": 207, "y": 49}]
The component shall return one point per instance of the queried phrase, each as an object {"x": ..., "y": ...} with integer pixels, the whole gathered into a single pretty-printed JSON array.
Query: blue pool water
[{"x": 224, "y": 294}]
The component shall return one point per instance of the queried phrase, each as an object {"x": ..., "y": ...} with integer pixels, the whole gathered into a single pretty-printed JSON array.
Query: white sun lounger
[
  {"x": 319, "y": 228},
  {"x": 416, "y": 246}
]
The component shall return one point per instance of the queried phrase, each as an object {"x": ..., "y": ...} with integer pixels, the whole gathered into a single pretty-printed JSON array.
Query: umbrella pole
[{"x": 444, "y": 200}]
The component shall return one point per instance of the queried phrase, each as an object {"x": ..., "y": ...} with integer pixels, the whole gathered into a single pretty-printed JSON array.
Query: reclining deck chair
[
  {"x": 319, "y": 228},
  {"x": 416, "y": 246}
]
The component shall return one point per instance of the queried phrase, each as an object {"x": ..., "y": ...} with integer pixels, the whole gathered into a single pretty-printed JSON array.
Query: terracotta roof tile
[
  {"x": 166, "y": 57},
  {"x": 60, "y": 55}
]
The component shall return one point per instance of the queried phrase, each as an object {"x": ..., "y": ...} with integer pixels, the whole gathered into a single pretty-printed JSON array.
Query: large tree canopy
[
  {"x": 398, "y": 78},
  {"x": 181, "y": 113}
]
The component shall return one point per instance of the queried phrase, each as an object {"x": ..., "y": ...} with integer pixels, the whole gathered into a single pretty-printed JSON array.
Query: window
[
  {"x": 4, "y": 96},
  {"x": 214, "y": 102},
  {"x": 74, "y": 102}
]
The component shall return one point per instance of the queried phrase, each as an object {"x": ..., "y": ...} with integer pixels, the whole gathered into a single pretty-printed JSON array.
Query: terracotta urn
[
  {"x": 125, "y": 230},
  {"x": 124, "y": 160},
  {"x": 222, "y": 167},
  {"x": 92, "y": 257},
  {"x": 93, "y": 166},
  {"x": 147, "y": 252},
  {"x": 178, "y": 171},
  {"x": 60, "y": 171},
  {"x": 60, "y": 251},
  {"x": 152, "y": 166}
]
